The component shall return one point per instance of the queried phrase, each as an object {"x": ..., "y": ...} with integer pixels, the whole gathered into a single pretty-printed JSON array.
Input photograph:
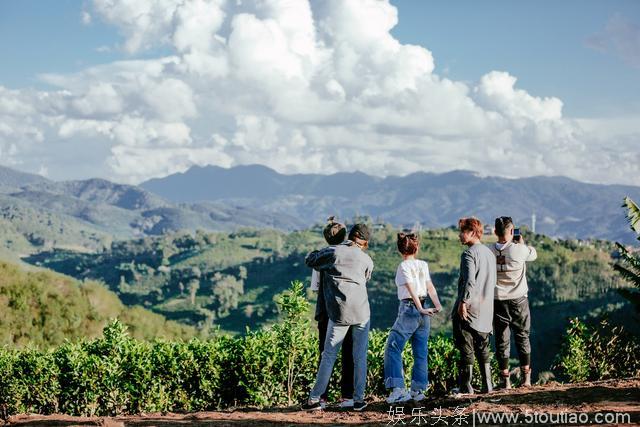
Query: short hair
[
  {"x": 360, "y": 232},
  {"x": 334, "y": 232},
  {"x": 502, "y": 223},
  {"x": 471, "y": 224},
  {"x": 408, "y": 243}
]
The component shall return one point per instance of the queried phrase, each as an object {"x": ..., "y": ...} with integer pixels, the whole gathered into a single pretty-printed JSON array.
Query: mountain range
[
  {"x": 89, "y": 213},
  {"x": 562, "y": 207}
]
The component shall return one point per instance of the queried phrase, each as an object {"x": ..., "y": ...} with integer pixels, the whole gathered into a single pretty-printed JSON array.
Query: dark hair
[
  {"x": 471, "y": 224},
  {"x": 408, "y": 243},
  {"x": 334, "y": 232},
  {"x": 359, "y": 233},
  {"x": 501, "y": 225}
]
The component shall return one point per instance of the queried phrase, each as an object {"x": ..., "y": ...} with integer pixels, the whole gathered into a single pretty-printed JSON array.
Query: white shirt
[
  {"x": 412, "y": 271},
  {"x": 315, "y": 280}
]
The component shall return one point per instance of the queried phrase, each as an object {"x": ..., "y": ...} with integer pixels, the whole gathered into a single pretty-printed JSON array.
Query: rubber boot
[
  {"x": 464, "y": 379},
  {"x": 505, "y": 384},
  {"x": 526, "y": 377},
  {"x": 485, "y": 372}
]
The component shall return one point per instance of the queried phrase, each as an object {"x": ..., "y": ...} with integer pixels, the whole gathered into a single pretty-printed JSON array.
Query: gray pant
[
  {"x": 507, "y": 315},
  {"x": 332, "y": 344},
  {"x": 469, "y": 342}
]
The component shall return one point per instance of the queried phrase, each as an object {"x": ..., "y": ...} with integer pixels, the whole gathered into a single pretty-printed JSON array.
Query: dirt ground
[{"x": 614, "y": 402}]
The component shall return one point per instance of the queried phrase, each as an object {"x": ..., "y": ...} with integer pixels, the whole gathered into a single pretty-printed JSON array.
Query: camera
[{"x": 516, "y": 235}]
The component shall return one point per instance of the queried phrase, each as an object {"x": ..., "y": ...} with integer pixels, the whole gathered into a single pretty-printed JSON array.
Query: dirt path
[{"x": 614, "y": 402}]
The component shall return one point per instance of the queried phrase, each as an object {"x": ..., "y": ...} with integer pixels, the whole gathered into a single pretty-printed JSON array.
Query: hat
[{"x": 360, "y": 231}]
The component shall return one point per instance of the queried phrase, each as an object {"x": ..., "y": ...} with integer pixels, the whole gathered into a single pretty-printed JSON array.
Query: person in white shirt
[
  {"x": 414, "y": 285},
  {"x": 511, "y": 302}
]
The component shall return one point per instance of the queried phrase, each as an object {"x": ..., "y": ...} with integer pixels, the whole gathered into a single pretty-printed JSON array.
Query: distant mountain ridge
[
  {"x": 215, "y": 198},
  {"x": 563, "y": 207},
  {"x": 84, "y": 213}
]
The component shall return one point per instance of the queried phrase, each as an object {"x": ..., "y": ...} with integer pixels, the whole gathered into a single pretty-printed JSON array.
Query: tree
[
  {"x": 194, "y": 285},
  {"x": 629, "y": 265},
  {"x": 226, "y": 293}
]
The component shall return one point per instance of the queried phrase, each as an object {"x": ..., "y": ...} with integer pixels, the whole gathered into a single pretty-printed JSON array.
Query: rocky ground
[{"x": 613, "y": 402}]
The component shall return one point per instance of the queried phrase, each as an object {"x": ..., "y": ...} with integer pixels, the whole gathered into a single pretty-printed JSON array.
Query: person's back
[
  {"x": 479, "y": 261},
  {"x": 511, "y": 306},
  {"x": 346, "y": 270},
  {"x": 512, "y": 272}
]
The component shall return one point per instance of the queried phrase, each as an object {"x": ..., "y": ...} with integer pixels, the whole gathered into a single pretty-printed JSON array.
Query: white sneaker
[
  {"x": 399, "y": 395},
  {"x": 346, "y": 403},
  {"x": 417, "y": 395}
]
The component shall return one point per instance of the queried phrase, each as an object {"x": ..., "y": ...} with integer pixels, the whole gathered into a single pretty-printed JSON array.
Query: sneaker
[
  {"x": 399, "y": 395},
  {"x": 312, "y": 405},
  {"x": 346, "y": 403},
  {"x": 323, "y": 403},
  {"x": 359, "y": 406},
  {"x": 417, "y": 395},
  {"x": 456, "y": 393}
]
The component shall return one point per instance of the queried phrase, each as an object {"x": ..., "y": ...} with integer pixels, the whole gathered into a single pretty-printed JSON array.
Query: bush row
[{"x": 117, "y": 374}]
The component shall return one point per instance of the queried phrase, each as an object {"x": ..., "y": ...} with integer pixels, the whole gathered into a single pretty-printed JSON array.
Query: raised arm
[{"x": 321, "y": 260}]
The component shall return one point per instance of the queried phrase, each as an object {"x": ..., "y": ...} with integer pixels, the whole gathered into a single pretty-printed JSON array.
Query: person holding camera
[{"x": 511, "y": 305}]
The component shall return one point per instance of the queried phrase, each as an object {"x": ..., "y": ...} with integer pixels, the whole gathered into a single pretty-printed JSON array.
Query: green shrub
[
  {"x": 598, "y": 352},
  {"x": 277, "y": 365},
  {"x": 28, "y": 382}
]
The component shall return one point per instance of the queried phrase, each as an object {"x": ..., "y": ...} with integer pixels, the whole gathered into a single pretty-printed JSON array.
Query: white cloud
[{"x": 301, "y": 86}]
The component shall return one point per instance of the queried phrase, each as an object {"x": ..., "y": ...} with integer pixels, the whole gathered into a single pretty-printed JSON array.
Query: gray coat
[
  {"x": 476, "y": 286},
  {"x": 345, "y": 271}
]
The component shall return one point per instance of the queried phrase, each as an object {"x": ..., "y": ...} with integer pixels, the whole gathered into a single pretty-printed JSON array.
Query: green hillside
[
  {"x": 43, "y": 308},
  {"x": 229, "y": 280},
  {"x": 25, "y": 229}
]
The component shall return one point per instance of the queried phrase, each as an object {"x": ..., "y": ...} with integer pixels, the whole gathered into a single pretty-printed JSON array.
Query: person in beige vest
[{"x": 511, "y": 303}]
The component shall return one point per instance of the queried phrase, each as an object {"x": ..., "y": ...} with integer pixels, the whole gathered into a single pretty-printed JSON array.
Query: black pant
[
  {"x": 512, "y": 314},
  {"x": 470, "y": 342},
  {"x": 346, "y": 383}
]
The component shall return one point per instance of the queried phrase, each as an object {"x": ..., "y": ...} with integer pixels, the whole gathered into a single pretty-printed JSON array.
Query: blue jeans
[
  {"x": 332, "y": 344},
  {"x": 409, "y": 325}
]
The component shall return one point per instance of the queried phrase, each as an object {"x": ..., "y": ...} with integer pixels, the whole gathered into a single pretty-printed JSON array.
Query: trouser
[
  {"x": 469, "y": 342},
  {"x": 512, "y": 314},
  {"x": 409, "y": 325},
  {"x": 332, "y": 344},
  {"x": 346, "y": 382}
]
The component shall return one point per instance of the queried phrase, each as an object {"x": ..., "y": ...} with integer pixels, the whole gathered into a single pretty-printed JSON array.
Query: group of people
[{"x": 492, "y": 298}]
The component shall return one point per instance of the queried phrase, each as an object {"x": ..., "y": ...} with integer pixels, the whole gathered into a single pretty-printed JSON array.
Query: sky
[{"x": 130, "y": 90}]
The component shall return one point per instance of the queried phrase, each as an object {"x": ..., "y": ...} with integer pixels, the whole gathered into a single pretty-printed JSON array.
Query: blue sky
[{"x": 280, "y": 83}]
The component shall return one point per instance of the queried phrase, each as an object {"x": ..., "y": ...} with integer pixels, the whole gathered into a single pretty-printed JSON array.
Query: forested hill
[
  {"x": 44, "y": 309},
  {"x": 228, "y": 280}
]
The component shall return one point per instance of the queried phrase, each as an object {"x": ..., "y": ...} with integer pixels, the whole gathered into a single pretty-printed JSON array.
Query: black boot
[
  {"x": 464, "y": 379},
  {"x": 485, "y": 372}
]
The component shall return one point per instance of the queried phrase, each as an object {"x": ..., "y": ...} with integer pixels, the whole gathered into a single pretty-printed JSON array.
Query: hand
[
  {"x": 429, "y": 311},
  {"x": 463, "y": 311}
]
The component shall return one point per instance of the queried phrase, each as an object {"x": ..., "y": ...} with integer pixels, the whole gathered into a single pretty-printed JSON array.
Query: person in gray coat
[
  {"x": 472, "y": 314},
  {"x": 345, "y": 269}
]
